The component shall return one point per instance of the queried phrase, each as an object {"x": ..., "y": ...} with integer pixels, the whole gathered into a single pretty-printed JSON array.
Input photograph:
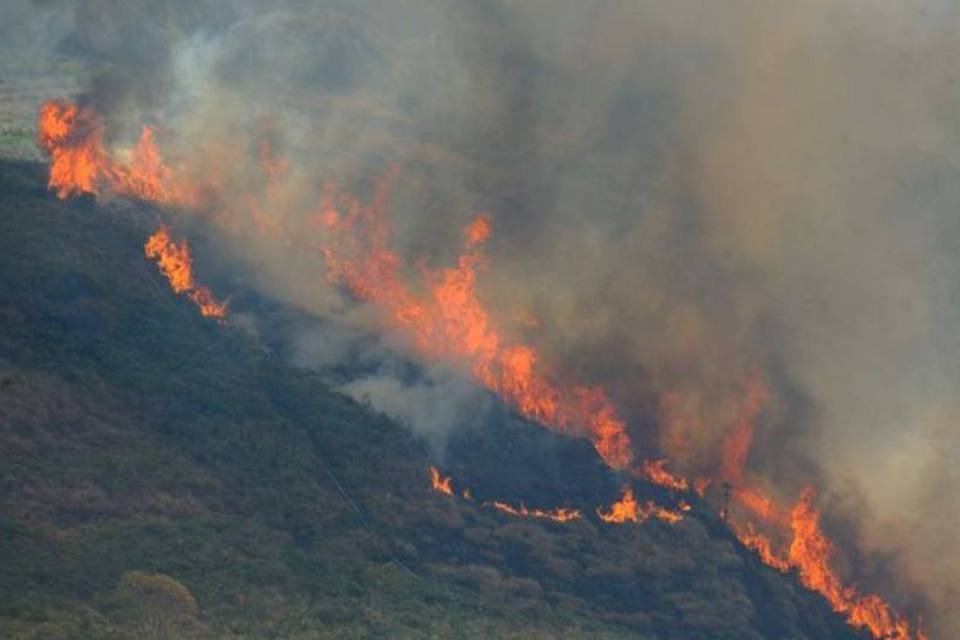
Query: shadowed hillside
[{"x": 162, "y": 475}]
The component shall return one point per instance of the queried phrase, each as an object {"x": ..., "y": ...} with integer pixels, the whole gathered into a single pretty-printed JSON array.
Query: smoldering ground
[{"x": 683, "y": 195}]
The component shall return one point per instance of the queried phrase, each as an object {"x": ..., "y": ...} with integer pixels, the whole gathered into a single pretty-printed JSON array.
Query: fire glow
[
  {"x": 441, "y": 484},
  {"x": 449, "y": 322},
  {"x": 174, "y": 261},
  {"x": 444, "y": 485},
  {"x": 810, "y": 551},
  {"x": 79, "y": 163},
  {"x": 557, "y": 515},
  {"x": 656, "y": 472},
  {"x": 446, "y": 321},
  {"x": 627, "y": 509}
]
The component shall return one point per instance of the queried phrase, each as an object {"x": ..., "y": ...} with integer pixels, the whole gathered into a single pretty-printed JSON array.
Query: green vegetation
[{"x": 162, "y": 476}]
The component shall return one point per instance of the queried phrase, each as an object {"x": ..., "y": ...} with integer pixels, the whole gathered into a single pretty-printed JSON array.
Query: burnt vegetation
[{"x": 162, "y": 475}]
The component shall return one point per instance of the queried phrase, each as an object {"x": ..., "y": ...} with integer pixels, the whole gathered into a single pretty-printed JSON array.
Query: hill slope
[{"x": 165, "y": 476}]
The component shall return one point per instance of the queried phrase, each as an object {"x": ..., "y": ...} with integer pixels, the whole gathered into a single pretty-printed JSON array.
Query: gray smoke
[{"x": 683, "y": 194}]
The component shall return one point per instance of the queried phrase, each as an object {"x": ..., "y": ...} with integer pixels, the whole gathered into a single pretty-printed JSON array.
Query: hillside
[{"x": 162, "y": 475}]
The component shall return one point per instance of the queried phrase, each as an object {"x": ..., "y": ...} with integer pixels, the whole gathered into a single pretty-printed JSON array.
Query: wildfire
[
  {"x": 444, "y": 485},
  {"x": 561, "y": 514},
  {"x": 810, "y": 553},
  {"x": 656, "y": 472},
  {"x": 737, "y": 445},
  {"x": 759, "y": 504},
  {"x": 441, "y": 484},
  {"x": 449, "y": 321},
  {"x": 446, "y": 320},
  {"x": 627, "y": 509},
  {"x": 762, "y": 546},
  {"x": 174, "y": 261},
  {"x": 73, "y": 137},
  {"x": 79, "y": 163}
]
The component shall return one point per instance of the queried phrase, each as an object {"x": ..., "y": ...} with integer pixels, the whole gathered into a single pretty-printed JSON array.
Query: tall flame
[
  {"x": 737, "y": 445},
  {"x": 79, "y": 163},
  {"x": 174, "y": 261},
  {"x": 810, "y": 550},
  {"x": 624, "y": 510},
  {"x": 439, "y": 483},
  {"x": 73, "y": 137},
  {"x": 656, "y": 472},
  {"x": 449, "y": 321},
  {"x": 752, "y": 539},
  {"x": 810, "y": 553},
  {"x": 627, "y": 509}
]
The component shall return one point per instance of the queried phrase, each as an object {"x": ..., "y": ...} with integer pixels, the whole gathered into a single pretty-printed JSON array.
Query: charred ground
[{"x": 148, "y": 453}]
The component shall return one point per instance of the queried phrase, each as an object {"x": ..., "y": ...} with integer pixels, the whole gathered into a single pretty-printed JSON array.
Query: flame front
[
  {"x": 444, "y": 485},
  {"x": 73, "y": 137},
  {"x": 439, "y": 483},
  {"x": 448, "y": 321},
  {"x": 762, "y": 546},
  {"x": 810, "y": 553},
  {"x": 174, "y": 261},
  {"x": 656, "y": 472},
  {"x": 561, "y": 514},
  {"x": 627, "y": 509},
  {"x": 79, "y": 162}
]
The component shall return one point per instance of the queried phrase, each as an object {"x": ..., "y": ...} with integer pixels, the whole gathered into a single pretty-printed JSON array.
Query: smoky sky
[{"x": 683, "y": 195}]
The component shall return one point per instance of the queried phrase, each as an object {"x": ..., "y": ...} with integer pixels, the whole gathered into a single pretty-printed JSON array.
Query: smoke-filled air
[{"x": 717, "y": 240}]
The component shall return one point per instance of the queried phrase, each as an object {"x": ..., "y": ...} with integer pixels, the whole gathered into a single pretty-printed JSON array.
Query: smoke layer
[{"x": 686, "y": 197}]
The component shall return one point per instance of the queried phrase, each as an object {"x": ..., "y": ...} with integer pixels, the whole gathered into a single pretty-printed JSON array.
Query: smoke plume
[{"x": 686, "y": 198}]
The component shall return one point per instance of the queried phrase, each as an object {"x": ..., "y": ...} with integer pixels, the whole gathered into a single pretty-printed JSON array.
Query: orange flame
[
  {"x": 660, "y": 513},
  {"x": 810, "y": 553},
  {"x": 758, "y": 503},
  {"x": 736, "y": 447},
  {"x": 561, "y": 514},
  {"x": 627, "y": 509},
  {"x": 148, "y": 177},
  {"x": 174, "y": 261},
  {"x": 441, "y": 484},
  {"x": 810, "y": 550},
  {"x": 624, "y": 510},
  {"x": 477, "y": 231},
  {"x": 73, "y": 137},
  {"x": 448, "y": 321},
  {"x": 752, "y": 539},
  {"x": 79, "y": 163},
  {"x": 656, "y": 472}
]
